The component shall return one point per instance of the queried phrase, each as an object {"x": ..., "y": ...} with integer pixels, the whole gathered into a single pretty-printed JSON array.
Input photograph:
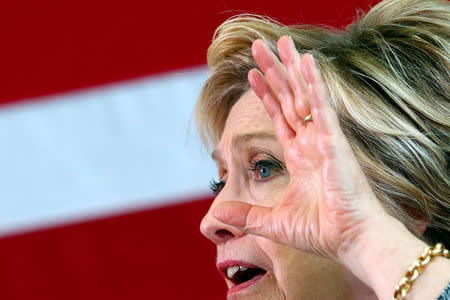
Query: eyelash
[
  {"x": 216, "y": 186},
  {"x": 278, "y": 166}
]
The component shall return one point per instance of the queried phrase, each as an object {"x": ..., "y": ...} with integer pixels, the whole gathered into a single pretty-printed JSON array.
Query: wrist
[{"x": 381, "y": 255}]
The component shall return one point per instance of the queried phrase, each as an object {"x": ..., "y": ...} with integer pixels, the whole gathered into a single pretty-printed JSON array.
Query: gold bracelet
[{"x": 416, "y": 268}]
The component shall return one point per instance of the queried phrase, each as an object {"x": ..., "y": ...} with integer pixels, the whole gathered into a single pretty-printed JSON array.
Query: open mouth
[{"x": 241, "y": 274}]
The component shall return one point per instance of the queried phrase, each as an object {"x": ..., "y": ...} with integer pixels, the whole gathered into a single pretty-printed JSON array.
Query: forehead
[
  {"x": 247, "y": 115},
  {"x": 246, "y": 121}
]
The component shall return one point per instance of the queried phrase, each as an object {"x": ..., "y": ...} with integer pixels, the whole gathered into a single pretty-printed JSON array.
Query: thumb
[{"x": 251, "y": 219}]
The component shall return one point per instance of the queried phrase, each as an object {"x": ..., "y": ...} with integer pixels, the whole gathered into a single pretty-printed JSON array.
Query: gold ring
[{"x": 308, "y": 118}]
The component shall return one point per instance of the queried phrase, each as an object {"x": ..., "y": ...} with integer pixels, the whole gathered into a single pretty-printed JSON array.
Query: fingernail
[
  {"x": 266, "y": 45},
  {"x": 250, "y": 78},
  {"x": 292, "y": 42},
  {"x": 313, "y": 60}
]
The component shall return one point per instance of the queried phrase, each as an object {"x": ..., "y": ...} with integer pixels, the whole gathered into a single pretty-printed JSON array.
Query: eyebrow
[{"x": 240, "y": 139}]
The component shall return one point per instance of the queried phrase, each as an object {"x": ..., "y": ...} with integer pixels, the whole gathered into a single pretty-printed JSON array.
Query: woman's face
[{"x": 250, "y": 162}]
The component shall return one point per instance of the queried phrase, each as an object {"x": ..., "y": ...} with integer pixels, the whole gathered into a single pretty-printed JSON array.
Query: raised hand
[{"x": 328, "y": 204}]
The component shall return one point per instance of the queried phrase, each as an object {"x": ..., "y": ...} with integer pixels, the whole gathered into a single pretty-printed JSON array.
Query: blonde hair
[{"x": 388, "y": 77}]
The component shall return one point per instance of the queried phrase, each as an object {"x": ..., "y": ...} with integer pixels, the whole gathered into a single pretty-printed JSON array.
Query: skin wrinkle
[
  {"x": 388, "y": 116},
  {"x": 238, "y": 140},
  {"x": 292, "y": 274}
]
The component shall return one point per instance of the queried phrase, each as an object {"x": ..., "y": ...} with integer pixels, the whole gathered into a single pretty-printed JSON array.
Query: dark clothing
[{"x": 445, "y": 294}]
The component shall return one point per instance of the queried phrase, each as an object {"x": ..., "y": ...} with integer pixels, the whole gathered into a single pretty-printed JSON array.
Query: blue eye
[
  {"x": 264, "y": 169},
  {"x": 264, "y": 172}
]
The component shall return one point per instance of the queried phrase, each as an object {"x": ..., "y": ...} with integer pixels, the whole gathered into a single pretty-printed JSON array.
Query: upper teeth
[{"x": 231, "y": 271}]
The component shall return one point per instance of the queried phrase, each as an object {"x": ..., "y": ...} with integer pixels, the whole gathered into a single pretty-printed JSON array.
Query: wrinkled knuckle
[
  {"x": 284, "y": 93},
  {"x": 299, "y": 91},
  {"x": 329, "y": 146},
  {"x": 299, "y": 102}
]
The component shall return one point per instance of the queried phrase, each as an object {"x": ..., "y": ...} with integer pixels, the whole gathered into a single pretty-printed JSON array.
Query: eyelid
[
  {"x": 263, "y": 154},
  {"x": 267, "y": 156},
  {"x": 264, "y": 162}
]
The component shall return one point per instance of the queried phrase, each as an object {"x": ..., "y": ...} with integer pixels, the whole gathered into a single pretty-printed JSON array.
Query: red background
[{"x": 51, "y": 46}]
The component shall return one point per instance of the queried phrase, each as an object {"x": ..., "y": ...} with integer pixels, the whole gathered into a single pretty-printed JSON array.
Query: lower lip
[{"x": 240, "y": 287}]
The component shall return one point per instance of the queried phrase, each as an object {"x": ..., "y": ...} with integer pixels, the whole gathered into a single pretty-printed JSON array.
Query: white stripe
[{"x": 101, "y": 150}]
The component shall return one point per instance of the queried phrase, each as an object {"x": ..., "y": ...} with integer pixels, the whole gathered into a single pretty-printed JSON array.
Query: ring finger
[{"x": 292, "y": 60}]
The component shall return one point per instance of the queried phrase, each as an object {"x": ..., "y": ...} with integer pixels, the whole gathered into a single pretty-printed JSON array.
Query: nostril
[{"x": 224, "y": 234}]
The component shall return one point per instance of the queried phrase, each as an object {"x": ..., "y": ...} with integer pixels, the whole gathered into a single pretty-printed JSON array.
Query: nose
[{"x": 217, "y": 231}]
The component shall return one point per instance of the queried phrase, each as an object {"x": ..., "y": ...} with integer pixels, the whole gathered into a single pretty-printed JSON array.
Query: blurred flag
[{"x": 103, "y": 181}]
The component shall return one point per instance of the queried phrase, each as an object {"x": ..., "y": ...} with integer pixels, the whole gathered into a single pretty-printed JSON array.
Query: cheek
[
  {"x": 268, "y": 193},
  {"x": 300, "y": 275},
  {"x": 283, "y": 261},
  {"x": 280, "y": 256}
]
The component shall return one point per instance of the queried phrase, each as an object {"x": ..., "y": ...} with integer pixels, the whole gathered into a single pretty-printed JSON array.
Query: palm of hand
[
  {"x": 316, "y": 211},
  {"x": 328, "y": 200}
]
